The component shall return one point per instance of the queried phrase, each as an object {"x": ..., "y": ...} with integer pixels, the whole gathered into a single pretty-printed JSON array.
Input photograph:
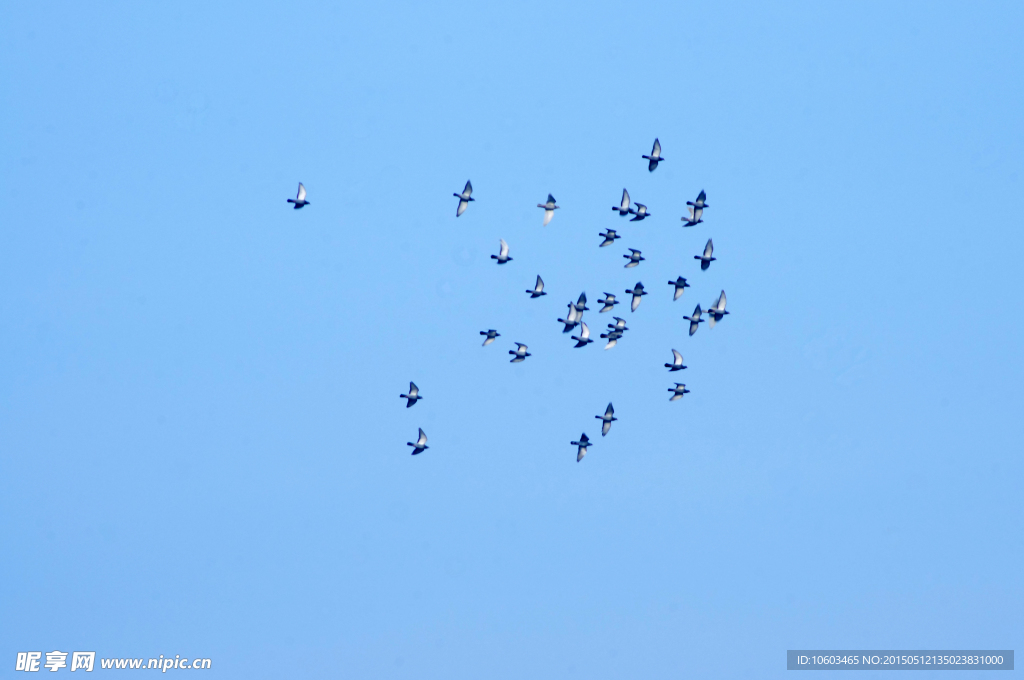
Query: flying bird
[
  {"x": 609, "y": 302},
  {"x": 421, "y": 443},
  {"x": 681, "y": 285},
  {"x": 613, "y": 338},
  {"x": 634, "y": 258},
  {"x": 581, "y": 303},
  {"x": 716, "y": 312},
  {"x": 623, "y": 207},
  {"x": 300, "y": 198},
  {"x": 413, "y": 396},
  {"x": 491, "y": 335},
  {"x": 464, "y": 198},
  {"x": 640, "y": 212},
  {"x": 502, "y": 256},
  {"x": 677, "y": 362},
  {"x": 699, "y": 203},
  {"x": 706, "y": 259},
  {"x": 609, "y": 237},
  {"x": 549, "y": 209},
  {"x": 538, "y": 288},
  {"x": 584, "y": 337},
  {"x": 520, "y": 353},
  {"x": 582, "y": 445},
  {"x": 619, "y": 325},
  {"x": 655, "y": 156},
  {"x": 678, "y": 391},
  {"x": 606, "y": 419},
  {"x": 637, "y": 291},
  {"x": 695, "y": 320},
  {"x": 694, "y": 216},
  {"x": 571, "y": 319}
]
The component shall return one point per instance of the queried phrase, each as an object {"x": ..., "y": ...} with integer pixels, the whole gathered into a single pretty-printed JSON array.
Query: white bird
[
  {"x": 677, "y": 362},
  {"x": 609, "y": 302},
  {"x": 413, "y": 396},
  {"x": 502, "y": 256},
  {"x": 694, "y": 216},
  {"x": 300, "y": 198},
  {"x": 695, "y": 320},
  {"x": 706, "y": 259},
  {"x": 606, "y": 419},
  {"x": 655, "y": 156},
  {"x": 637, "y": 291},
  {"x": 623, "y": 207},
  {"x": 640, "y": 212},
  {"x": 491, "y": 335},
  {"x": 609, "y": 237},
  {"x": 581, "y": 445},
  {"x": 678, "y": 391},
  {"x": 681, "y": 285},
  {"x": 634, "y": 258},
  {"x": 571, "y": 319},
  {"x": 584, "y": 337},
  {"x": 464, "y": 198},
  {"x": 716, "y": 312},
  {"x": 699, "y": 203},
  {"x": 520, "y": 353},
  {"x": 549, "y": 209},
  {"x": 538, "y": 288},
  {"x": 421, "y": 443}
]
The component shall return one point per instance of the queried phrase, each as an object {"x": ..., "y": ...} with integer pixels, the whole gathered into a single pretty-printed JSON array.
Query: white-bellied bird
[
  {"x": 623, "y": 207},
  {"x": 640, "y": 212},
  {"x": 609, "y": 237},
  {"x": 706, "y": 259},
  {"x": 464, "y": 198},
  {"x": 637, "y": 292},
  {"x": 413, "y": 396},
  {"x": 695, "y": 319},
  {"x": 520, "y": 353},
  {"x": 677, "y": 362},
  {"x": 490, "y": 336},
  {"x": 619, "y": 325},
  {"x": 678, "y": 391},
  {"x": 538, "y": 288},
  {"x": 300, "y": 198},
  {"x": 572, "y": 318},
  {"x": 693, "y": 217},
  {"x": 634, "y": 258},
  {"x": 607, "y": 419},
  {"x": 655, "y": 156},
  {"x": 502, "y": 256},
  {"x": 581, "y": 303},
  {"x": 699, "y": 203},
  {"x": 421, "y": 443},
  {"x": 609, "y": 302},
  {"x": 680, "y": 285},
  {"x": 549, "y": 209},
  {"x": 716, "y": 312},
  {"x": 612, "y": 337},
  {"x": 581, "y": 446},
  {"x": 584, "y": 337}
]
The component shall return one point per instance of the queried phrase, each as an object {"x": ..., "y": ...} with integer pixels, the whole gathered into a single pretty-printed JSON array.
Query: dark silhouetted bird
[
  {"x": 680, "y": 285},
  {"x": 520, "y": 353},
  {"x": 706, "y": 259},
  {"x": 421, "y": 443},
  {"x": 549, "y": 209},
  {"x": 538, "y": 288},
  {"x": 300, "y": 198},
  {"x": 655, "y": 156},
  {"x": 609, "y": 237},
  {"x": 638, "y": 290},
  {"x": 502, "y": 256},
  {"x": 606, "y": 419},
  {"x": 678, "y": 391},
  {"x": 413, "y": 396},
  {"x": 464, "y": 198},
  {"x": 581, "y": 445},
  {"x": 695, "y": 320},
  {"x": 491, "y": 335},
  {"x": 677, "y": 362}
]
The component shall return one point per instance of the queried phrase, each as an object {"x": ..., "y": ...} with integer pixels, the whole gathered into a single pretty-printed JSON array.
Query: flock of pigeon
[{"x": 574, "y": 318}]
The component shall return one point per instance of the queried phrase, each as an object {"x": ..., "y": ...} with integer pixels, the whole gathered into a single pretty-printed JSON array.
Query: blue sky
[{"x": 201, "y": 438}]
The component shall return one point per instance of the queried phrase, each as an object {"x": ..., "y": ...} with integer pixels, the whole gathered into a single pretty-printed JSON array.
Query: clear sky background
[{"x": 202, "y": 447}]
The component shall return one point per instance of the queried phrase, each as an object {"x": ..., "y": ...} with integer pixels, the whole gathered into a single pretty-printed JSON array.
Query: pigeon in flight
[
  {"x": 637, "y": 291},
  {"x": 572, "y": 319},
  {"x": 464, "y": 198},
  {"x": 606, "y": 419},
  {"x": 678, "y": 391},
  {"x": 491, "y": 335},
  {"x": 609, "y": 302},
  {"x": 619, "y": 325},
  {"x": 502, "y": 256},
  {"x": 655, "y": 156},
  {"x": 421, "y": 443},
  {"x": 623, "y": 207},
  {"x": 300, "y": 198},
  {"x": 613, "y": 338},
  {"x": 695, "y": 320},
  {"x": 634, "y": 259},
  {"x": 549, "y": 209},
  {"x": 699, "y": 203},
  {"x": 681, "y": 285},
  {"x": 677, "y": 362},
  {"x": 581, "y": 303},
  {"x": 520, "y": 353},
  {"x": 538, "y": 288},
  {"x": 609, "y": 237},
  {"x": 706, "y": 259},
  {"x": 716, "y": 312},
  {"x": 413, "y": 396},
  {"x": 640, "y": 212},
  {"x": 582, "y": 445},
  {"x": 694, "y": 217},
  {"x": 584, "y": 337}
]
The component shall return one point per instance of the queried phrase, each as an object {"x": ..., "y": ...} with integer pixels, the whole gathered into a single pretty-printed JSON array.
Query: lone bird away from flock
[
  {"x": 421, "y": 443},
  {"x": 520, "y": 353},
  {"x": 549, "y": 209},
  {"x": 677, "y": 362},
  {"x": 681, "y": 285},
  {"x": 491, "y": 335},
  {"x": 706, "y": 259},
  {"x": 464, "y": 198},
  {"x": 413, "y": 396},
  {"x": 606, "y": 419},
  {"x": 502, "y": 256},
  {"x": 581, "y": 445},
  {"x": 538, "y": 288},
  {"x": 655, "y": 156},
  {"x": 678, "y": 391},
  {"x": 300, "y": 198}
]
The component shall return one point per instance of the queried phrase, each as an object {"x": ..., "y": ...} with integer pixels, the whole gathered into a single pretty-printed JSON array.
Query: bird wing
[
  {"x": 610, "y": 411},
  {"x": 422, "y": 438},
  {"x": 701, "y": 197},
  {"x": 689, "y": 210},
  {"x": 551, "y": 200},
  {"x": 709, "y": 248},
  {"x": 656, "y": 151},
  {"x": 581, "y": 301},
  {"x": 624, "y": 205},
  {"x": 586, "y": 331},
  {"x": 697, "y": 212},
  {"x": 503, "y": 251},
  {"x": 635, "y": 303},
  {"x": 721, "y": 302},
  {"x": 540, "y": 284},
  {"x": 413, "y": 390},
  {"x": 462, "y": 207},
  {"x": 548, "y": 214},
  {"x": 301, "y": 196},
  {"x": 521, "y": 346},
  {"x": 677, "y": 358},
  {"x": 468, "y": 191}
]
